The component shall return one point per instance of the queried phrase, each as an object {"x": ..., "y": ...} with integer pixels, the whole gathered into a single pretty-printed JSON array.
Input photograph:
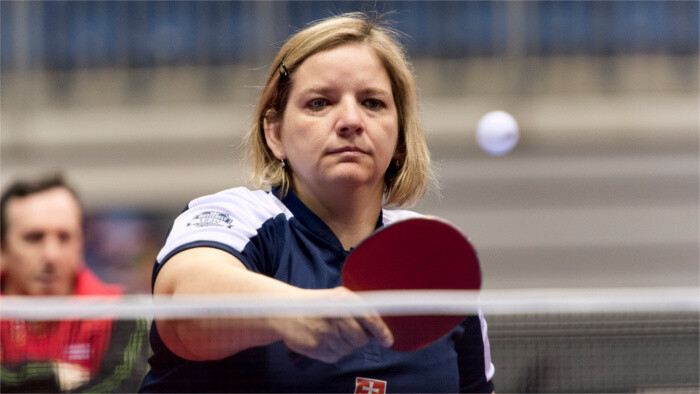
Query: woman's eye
[
  {"x": 373, "y": 104},
  {"x": 318, "y": 103}
]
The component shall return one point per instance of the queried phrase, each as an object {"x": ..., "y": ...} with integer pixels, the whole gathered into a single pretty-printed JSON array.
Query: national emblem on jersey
[
  {"x": 369, "y": 386},
  {"x": 78, "y": 352},
  {"x": 211, "y": 219}
]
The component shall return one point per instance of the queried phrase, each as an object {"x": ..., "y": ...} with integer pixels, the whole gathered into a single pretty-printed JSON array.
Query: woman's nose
[{"x": 350, "y": 117}]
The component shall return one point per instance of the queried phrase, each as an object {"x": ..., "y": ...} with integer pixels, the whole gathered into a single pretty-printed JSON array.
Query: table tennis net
[{"x": 541, "y": 340}]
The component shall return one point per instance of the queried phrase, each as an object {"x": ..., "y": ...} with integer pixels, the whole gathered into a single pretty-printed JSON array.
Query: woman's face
[{"x": 340, "y": 126}]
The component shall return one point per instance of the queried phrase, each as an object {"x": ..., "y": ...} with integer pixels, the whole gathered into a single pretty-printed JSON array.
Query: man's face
[{"x": 43, "y": 245}]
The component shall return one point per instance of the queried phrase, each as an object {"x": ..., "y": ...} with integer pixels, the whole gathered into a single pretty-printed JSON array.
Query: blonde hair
[{"x": 408, "y": 176}]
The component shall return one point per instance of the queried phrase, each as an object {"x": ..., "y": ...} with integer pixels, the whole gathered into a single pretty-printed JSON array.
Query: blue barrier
[{"x": 78, "y": 34}]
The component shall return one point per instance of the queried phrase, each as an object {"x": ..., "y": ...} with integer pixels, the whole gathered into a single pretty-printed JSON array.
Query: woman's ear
[
  {"x": 272, "y": 128},
  {"x": 399, "y": 152}
]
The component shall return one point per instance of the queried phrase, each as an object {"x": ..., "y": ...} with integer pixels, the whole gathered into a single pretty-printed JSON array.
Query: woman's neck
[{"x": 351, "y": 214}]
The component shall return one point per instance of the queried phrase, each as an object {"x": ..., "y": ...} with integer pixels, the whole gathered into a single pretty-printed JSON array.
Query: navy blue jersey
[{"x": 285, "y": 240}]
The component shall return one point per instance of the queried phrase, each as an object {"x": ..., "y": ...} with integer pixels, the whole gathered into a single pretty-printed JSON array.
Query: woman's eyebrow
[
  {"x": 317, "y": 89},
  {"x": 324, "y": 90},
  {"x": 376, "y": 91}
]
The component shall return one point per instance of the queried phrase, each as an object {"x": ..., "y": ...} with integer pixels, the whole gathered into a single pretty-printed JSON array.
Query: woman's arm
[{"x": 213, "y": 271}]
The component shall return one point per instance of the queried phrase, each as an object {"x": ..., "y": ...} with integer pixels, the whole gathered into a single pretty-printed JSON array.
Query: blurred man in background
[
  {"x": 41, "y": 250},
  {"x": 41, "y": 242}
]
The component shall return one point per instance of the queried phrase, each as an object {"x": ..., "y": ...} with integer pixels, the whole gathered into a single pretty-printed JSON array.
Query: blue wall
[{"x": 75, "y": 34}]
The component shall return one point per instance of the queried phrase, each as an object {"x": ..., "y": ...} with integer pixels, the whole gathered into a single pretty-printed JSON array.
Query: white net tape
[{"x": 414, "y": 302}]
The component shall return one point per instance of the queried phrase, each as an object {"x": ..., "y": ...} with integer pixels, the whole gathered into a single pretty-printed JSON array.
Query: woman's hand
[
  {"x": 212, "y": 271},
  {"x": 331, "y": 338}
]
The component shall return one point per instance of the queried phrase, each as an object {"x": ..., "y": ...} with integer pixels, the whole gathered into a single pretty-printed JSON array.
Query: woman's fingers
[
  {"x": 352, "y": 331},
  {"x": 377, "y": 329},
  {"x": 329, "y": 339},
  {"x": 371, "y": 322}
]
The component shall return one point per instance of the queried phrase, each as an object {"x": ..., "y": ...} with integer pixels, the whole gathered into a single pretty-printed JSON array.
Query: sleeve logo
[
  {"x": 211, "y": 219},
  {"x": 369, "y": 386}
]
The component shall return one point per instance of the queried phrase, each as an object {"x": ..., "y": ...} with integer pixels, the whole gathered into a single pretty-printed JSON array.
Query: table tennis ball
[{"x": 497, "y": 133}]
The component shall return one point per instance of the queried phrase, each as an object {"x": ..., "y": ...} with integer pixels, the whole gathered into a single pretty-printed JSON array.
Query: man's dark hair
[{"x": 24, "y": 188}]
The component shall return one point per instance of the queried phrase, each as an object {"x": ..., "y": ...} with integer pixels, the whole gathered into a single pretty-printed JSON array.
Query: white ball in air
[{"x": 497, "y": 133}]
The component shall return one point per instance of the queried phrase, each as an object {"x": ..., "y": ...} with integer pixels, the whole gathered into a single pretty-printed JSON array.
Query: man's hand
[{"x": 70, "y": 376}]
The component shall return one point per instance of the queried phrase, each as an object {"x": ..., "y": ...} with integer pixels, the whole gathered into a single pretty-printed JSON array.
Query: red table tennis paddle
[{"x": 413, "y": 254}]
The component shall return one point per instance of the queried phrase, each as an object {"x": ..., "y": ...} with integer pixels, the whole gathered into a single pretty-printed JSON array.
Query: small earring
[{"x": 282, "y": 163}]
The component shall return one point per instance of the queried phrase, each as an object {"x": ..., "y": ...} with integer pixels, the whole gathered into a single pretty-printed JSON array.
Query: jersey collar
[{"x": 310, "y": 220}]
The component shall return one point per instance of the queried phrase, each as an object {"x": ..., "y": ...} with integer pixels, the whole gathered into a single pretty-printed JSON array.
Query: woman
[{"x": 337, "y": 138}]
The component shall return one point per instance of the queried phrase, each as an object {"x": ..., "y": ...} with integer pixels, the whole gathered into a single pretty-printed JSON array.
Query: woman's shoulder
[
  {"x": 240, "y": 193},
  {"x": 241, "y": 199},
  {"x": 390, "y": 216}
]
